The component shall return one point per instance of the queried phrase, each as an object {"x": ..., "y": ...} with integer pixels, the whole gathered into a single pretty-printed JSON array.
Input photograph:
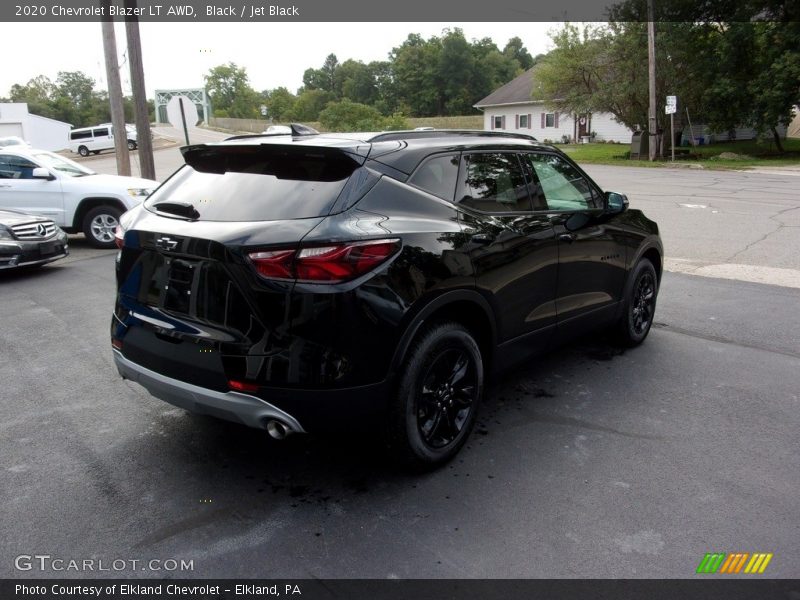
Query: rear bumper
[
  {"x": 231, "y": 406},
  {"x": 301, "y": 410}
]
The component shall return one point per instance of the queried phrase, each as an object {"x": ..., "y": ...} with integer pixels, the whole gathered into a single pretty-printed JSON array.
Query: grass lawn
[{"x": 753, "y": 153}]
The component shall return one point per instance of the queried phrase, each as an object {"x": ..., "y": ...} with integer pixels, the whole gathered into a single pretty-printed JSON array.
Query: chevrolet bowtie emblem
[{"x": 166, "y": 243}]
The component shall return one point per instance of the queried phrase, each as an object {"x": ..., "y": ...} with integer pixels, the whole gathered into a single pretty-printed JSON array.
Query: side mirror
[
  {"x": 616, "y": 203},
  {"x": 42, "y": 173}
]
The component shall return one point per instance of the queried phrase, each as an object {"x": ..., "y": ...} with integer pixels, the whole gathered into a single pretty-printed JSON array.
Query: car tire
[
  {"x": 438, "y": 396},
  {"x": 83, "y": 151},
  {"x": 639, "y": 305},
  {"x": 131, "y": 145},
  {"x": 99, "y": 225}
]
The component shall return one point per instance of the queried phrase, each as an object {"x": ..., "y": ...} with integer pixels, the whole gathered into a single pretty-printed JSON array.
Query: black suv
[{"x": 308, "y": 281}]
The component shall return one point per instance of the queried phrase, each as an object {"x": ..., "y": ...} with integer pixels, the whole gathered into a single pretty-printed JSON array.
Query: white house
[
  {"x": 39, "y": 132},
  {"x": 511, "y": 108}
]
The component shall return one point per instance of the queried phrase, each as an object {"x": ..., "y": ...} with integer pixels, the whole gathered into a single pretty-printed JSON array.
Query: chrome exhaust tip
[{"x": 278, "y": 430}]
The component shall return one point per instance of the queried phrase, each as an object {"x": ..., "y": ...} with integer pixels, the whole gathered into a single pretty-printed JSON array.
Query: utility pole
[
  {"x": 115, "y": 93},
  {"x": 651, "y": 75},
  {"x": 143, "y": 138}
]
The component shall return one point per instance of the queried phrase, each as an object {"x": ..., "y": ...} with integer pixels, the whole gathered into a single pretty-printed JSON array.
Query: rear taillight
[
  {"x": 324, "y": 264},
  {"x": 119, "y": 236}
]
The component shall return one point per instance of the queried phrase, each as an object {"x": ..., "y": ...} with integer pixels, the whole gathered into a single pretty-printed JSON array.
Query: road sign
[
  {"x": 672, "y": 105},
  {"x": 182, "y": 114},
  {"x": 263, "y": 110},
  {"x": 174, "y": 112}
]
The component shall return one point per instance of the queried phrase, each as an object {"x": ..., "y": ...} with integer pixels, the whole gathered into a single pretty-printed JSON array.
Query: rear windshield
[{"x": 255, "y": 184}]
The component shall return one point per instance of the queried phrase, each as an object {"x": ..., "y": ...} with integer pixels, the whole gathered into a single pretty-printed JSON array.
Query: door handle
[
  {"x": 567, "y": 237},
  {"x": 482, "y": 238}
]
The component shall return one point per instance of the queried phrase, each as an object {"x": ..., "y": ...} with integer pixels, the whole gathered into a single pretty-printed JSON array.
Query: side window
[
  {"x": 101, "y": 132},
  {"x": 493, "y": 183},
  {"x": 80, "y": 135},
  {"x": 16, "y": 167},
  {"x": 562, "y": 186},
  {"x": 438, "y": 176}
]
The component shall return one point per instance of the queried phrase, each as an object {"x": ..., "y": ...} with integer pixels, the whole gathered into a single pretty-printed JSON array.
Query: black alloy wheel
[
  {"x": 445, "y": 400},
  {"x": 640, "y": 305},
  {"x": 438, "y": 397},
  {"x": 644, "y": 303}
]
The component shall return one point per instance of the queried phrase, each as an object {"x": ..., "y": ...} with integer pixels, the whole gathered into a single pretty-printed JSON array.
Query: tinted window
[
  {"x": 254, "y": 184},
  {"x": 493, "y": 183},
  {"x": 16, "y": 167},
  {"x": 562, "y": 186},
  {"x": 101, "y": 132},
  {"x": 80, "y": 135},
  {"x": 438, "y": 176}
]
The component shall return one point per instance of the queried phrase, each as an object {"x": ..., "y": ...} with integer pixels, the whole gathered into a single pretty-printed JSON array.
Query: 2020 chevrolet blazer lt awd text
[{"x": 300, "y": 282}]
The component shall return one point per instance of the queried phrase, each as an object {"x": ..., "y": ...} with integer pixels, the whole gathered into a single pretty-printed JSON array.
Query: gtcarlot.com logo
[
  {"x": 734, "y": 562},
  {"x": 46, "y": 562}
]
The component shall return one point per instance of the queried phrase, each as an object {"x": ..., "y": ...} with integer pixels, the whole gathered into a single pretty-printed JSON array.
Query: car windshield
[{"x": 62, "y": 165}]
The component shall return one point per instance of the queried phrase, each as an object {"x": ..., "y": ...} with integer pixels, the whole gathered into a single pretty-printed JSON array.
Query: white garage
[{"x": 39, "y": 132}]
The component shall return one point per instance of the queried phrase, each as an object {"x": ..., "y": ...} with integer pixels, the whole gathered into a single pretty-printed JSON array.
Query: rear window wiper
[{"x": 182, "y": 209}]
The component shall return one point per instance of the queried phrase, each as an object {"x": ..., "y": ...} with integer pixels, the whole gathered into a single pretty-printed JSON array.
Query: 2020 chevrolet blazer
[{"x": 304, "y": 281}]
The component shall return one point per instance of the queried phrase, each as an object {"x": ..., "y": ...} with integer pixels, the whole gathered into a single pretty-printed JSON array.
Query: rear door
[
  {"x": 512, "y": 246},
  {"x": 591, "y": 250}
]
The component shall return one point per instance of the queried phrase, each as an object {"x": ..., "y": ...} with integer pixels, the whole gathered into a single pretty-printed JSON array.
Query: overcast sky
[{"x": 179, "y": 54}]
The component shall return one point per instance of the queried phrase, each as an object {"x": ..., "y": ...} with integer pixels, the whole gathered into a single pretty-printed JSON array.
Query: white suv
[{"x": 76, "y": 198}]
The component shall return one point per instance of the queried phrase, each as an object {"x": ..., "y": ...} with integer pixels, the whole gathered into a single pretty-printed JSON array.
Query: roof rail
[{"x": 433, "y": 133}]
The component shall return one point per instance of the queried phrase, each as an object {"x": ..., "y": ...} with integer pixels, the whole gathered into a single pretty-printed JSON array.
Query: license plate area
[
  {"x": 182, "y": 285},
  {"x": 195, "y": 363}
]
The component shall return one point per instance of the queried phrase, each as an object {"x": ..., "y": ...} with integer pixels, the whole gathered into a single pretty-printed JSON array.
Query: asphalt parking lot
[{"x": 590, "y": 462}]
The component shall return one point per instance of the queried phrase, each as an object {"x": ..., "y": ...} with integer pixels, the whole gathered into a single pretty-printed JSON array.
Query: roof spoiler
[{"x": 293, "y": 129}]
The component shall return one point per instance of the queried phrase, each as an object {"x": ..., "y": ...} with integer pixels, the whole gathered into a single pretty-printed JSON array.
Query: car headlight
[
  {"x": 5, "y": 234},
  {"x": 139, "y": 192}
]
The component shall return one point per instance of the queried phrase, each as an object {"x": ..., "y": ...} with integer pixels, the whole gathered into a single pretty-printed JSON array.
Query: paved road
[
  {"x": 589, "y": 463},
  {"x": 719, "y": 223}
]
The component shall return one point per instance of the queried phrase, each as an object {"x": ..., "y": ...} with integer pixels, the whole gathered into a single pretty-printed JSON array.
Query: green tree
[
  {"x": 279, "y": 103},
  {"x": 38, "y": 93},
  {"x": 309, "y": 104},
  {"x": 730, "y": 64},
  {"x": 323, "y": 78},
  {"x": 229, "y": 88},
  {"x": 455, "y": 72},
  {"x": 77, "y": 102},
  {"x": 350, "y": 116},
  {"x": 515, "y": 50},
  {"x": 415, "y": 65},
  {"x": 357, "y": 82}
]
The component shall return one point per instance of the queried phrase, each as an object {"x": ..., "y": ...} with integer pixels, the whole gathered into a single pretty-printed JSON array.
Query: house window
[
  {"x": 498, "y": 122},
  {"x": 523, "y": 122},
  {"x": 550, "y": 120}
]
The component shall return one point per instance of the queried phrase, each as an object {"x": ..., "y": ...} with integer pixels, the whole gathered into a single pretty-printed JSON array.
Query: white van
[{"x": 87, "y": 140}]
